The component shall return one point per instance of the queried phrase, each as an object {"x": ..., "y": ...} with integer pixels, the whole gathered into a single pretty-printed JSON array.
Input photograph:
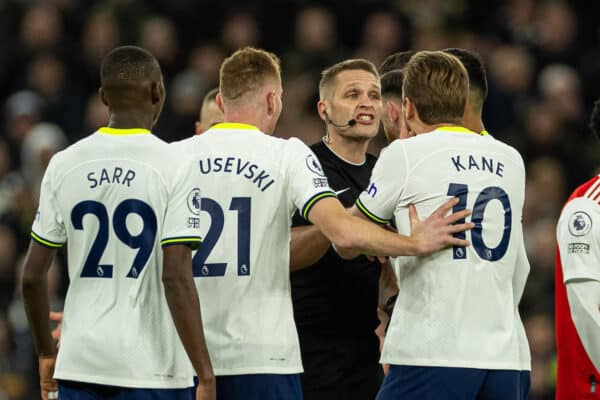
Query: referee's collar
[{"x": 236, "y": 126}]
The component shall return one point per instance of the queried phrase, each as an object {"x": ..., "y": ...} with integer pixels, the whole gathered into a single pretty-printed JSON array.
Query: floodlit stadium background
[{"x": 542, "y": 58}]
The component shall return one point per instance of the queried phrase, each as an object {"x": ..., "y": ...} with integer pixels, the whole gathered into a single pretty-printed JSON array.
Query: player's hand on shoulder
[
  {"x": 435, "y": 232},
  {"x": 49, "y": 387}
]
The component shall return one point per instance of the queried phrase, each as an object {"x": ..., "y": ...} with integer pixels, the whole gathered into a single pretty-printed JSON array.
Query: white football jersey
[
  {"x": 457, "y": 307},
  {"x": 252, "y": 184},
  {"x": 114, "y": 198}
]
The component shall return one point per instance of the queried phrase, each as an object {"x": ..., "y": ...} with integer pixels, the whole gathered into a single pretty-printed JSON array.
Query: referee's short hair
[{"x": 329, "y": 75}]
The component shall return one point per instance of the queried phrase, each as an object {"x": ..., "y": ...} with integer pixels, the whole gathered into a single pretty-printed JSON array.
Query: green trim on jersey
[
  {"x": 313, "y": 200},
  {"x": 116, "y": 131},
  {"x": 193, "y": 242},
  {"x": 235, "y": 126},
  {"x": 45, "y": 242},
  {"x": 369, "y": 214}
]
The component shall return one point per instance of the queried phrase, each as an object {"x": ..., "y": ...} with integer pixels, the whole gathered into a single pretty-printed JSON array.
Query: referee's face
[{"x": 357, "y": 96}]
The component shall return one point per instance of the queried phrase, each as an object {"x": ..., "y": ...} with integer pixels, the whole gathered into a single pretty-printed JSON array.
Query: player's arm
[
  {"x": 584, "y": 302},
  {"x": 184, "y": 304},
  {"x": 353, "y": 236},
  {"x": 307, "y": 246},
  {"x": 35, "y": 296},
  {"x": 578, "y": 237}
]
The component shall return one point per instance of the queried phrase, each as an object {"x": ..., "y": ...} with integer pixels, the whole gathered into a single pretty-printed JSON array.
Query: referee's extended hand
[
  {"x": 206, "y": 390},
  {"x": 436, "y": 231}
]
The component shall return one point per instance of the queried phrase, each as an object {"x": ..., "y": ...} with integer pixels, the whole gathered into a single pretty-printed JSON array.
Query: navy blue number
[
  {"x": 486, "y": 195},
  {"x": 91, "y": 266},
  {"x": 144, "y": 241},
  {"x": 217, "y": 219},
  {"x": 481, "y": 202},
  {"x": 243, "y": 206},
  {"x": 459, "y": 190}
]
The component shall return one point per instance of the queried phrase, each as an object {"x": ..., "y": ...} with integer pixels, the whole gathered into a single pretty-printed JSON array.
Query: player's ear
[
  {"x": 392, "y": 110},
  {"x": 155, "y": 93},
  {"x": 409, "y": 109},
  {"x": 219, "y": 101},
  {"x": 271, "y": 106},
  {"x": 102, "y": 96},
  {"x": 198, "y": 127},
  {"x": 322, "y": 109}
]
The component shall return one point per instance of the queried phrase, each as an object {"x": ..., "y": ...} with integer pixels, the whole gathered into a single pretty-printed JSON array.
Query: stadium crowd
[{"x": 542, "y": 58}]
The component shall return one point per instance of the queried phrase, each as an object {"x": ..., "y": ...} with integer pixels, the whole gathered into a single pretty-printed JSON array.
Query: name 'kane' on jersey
[
  {"x": 252, "y": 184},
  {"x": 114, "y": 198},
  {"x": 457, "y": 307}
]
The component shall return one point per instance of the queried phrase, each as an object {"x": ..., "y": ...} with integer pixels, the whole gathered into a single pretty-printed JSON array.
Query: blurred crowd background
[{"x": 542, "y": 58}]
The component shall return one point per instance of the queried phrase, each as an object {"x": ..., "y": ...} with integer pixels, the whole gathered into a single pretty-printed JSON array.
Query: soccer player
[
  {"x": 126, "y": 204},
  {"x": 578, "y": 289},
  {"x": 252, "y": 185},
  {"x": 392, "y": 118},
  {"x": 209, "y": 112},
  {"x": 335, "y": 300},
  {"x": 455, "y": 327}
]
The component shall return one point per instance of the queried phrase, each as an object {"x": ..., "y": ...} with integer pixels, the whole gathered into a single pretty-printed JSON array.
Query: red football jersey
[{"x": 577, "y": 378}]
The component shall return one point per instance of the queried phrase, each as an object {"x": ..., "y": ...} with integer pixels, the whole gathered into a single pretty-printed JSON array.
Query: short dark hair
[
  {"x": 127, "y": 63},
  {"x": 396, "y": 61},
  {"x": 595, "y": 118},
  {"x": 391, "y": 83},
  {"x": 475, "y": 70}
]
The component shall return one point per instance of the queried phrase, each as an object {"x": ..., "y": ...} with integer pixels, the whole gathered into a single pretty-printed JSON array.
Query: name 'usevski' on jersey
[{"x": 252, "y": 184}]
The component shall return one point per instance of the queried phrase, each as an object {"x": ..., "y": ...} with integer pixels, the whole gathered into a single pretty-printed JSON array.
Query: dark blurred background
[{"x": 542, "y": 57}]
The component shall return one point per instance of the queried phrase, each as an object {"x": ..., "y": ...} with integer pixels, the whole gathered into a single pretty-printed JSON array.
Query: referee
[{"x": 336, "y": 300}]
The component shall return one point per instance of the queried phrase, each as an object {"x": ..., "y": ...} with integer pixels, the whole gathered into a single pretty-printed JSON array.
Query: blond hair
[
  {"x": 438, "y": 85},
  {"x": 328, "y": 75},
  {"x": 245, "y": 71}
]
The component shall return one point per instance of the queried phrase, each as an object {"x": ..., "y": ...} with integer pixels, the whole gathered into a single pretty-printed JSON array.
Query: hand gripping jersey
[
  {"x": 577, "y": 257},
  {"x": 113, "y": 198},
  {"x": 457, "y": 307},
  {"x": 251, "y": 184}
]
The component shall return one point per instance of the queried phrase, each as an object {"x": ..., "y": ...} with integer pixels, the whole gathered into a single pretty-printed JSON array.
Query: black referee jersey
[{"x": 335, "y": 300}]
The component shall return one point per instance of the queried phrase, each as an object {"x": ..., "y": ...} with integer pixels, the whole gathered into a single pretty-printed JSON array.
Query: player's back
[
  {"x": 250, "y": 192},
  {"x": 110, "y": 192},
  {"x": 458, "y": 307}
]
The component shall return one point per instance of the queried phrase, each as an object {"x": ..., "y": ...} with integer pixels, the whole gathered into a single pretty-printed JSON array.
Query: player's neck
[
  {"x": 245, "y": 117},
  {"x": 130, "y": 119},
  {"x": 351, "y": 151},
  {"x": 473, "y": 122}
]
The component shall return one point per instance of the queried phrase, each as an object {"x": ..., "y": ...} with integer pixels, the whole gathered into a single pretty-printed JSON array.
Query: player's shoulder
[
  {"x": 505, "y": 147},
  {"x": 583, "y": 205}
]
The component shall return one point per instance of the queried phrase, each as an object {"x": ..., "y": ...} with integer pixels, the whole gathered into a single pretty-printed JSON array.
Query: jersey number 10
[{"x": 485, "y": 196}]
